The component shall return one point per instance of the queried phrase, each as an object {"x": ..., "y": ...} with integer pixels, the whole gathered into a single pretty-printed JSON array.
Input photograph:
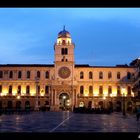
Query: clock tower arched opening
[{"x": 64, "y": 101}]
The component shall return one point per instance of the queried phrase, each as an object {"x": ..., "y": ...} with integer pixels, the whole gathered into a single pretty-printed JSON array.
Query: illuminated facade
[{"x": 65, "y": 84}]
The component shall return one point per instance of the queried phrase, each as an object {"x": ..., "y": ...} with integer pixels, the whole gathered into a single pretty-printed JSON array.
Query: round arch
[
  {"x": 9, "y": 104},
  {"x": 101, "y": 104},
  {"x": 64, "y": 101},
  {"x": 18, "y": 104},
  {"x": 27, "y": 104},
  {"x": 81, "y": 104},
  {"x": 110, "y": 105}
]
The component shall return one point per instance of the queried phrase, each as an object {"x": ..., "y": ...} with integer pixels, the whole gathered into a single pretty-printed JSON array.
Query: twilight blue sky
[{"x": 102, "y": 36}]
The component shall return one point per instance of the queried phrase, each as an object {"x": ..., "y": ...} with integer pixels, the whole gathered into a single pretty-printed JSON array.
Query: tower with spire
[{"x": 64, "y": 52}]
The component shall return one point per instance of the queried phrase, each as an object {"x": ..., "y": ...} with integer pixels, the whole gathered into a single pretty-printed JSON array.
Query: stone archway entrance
[
  {"x": 64, "y": 101},
  {"x": 18, "y": 105}
]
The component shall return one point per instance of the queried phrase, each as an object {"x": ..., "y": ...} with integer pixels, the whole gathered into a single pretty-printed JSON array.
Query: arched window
[
  {"x": 90, "y": 75},
  {"x": 118, "y": 75},
  {"x": 109, "y": 90},
  {"x": 63, "y": 42},
  {"x": 0, "y": 88},
  {"x": 90, "y": 90},
  {"x": 129, "y": 90},
  {"x": 11, "y": 74},
  {"x": 62, "y": 51},
  {"x": 46, "y": 89},
  {"x": 19, "y": 74},
  {"x": 100, "y": 75},
  {"x": 27, "y": 89},
  {"x": 1, "y": 74},
  {"x": 82, "y": 90},
  {"x": 28, "y": 74},
  {"x": 10, "y": 89},
  {"x": 100, "y": 89},
  {"x": 38, "y": 74},
  {"x": 128, "y": 75},
  {"x": 38, "y": 89},
  {"x": 47, "y": 75},
  {"x": 109, "y": 75},
  {"x": 81, "y": 75},
  {"x": 19, "y": 89},
  {"x": 66, "y": 50},
  {"x": 66, "y": 60},
  {"x": 118, "y": 90}
]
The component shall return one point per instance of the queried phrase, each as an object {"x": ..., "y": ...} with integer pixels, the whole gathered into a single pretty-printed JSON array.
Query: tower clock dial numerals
[{"x": 64, "y": 72}]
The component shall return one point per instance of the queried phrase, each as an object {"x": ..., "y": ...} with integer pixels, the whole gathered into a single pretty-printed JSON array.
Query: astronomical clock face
[{"x": 64, "y": 72}]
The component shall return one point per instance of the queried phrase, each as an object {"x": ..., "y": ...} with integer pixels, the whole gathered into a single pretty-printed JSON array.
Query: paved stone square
[{"x": 68, "y": 122}]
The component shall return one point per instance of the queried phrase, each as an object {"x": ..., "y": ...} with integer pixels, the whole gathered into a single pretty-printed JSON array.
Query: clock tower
[{"x": 64, "y": 57}]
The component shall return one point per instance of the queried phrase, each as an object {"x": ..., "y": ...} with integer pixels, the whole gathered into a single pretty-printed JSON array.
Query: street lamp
[
  {"x": 36, "y": 103},
  {"x": 123, "y": 101}
]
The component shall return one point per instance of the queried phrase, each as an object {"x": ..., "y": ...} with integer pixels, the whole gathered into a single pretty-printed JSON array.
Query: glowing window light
[
  {"x": 14, "y": 94},
  {"x": 18, "y": 97},
  {"x": 105, "y": 93},
  {"x": 95, "y": 94},
  {"x": 104, "y": 97},
  {"x": 42, "y": 94}
]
